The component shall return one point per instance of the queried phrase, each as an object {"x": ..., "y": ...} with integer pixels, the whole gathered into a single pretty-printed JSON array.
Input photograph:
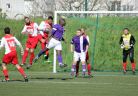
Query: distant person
[
  {"x": 9, "y": 42},
  {"x": 127, "y": 42}
]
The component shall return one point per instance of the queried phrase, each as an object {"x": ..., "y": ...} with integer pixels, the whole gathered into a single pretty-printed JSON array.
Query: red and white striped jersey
[
  {"x": 31, "y": 30},
  {"x": 44, "y": 25},
  {"x": 9, "y": 42}
]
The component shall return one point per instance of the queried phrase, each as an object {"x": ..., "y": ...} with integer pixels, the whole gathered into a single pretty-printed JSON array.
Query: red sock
[
  {"x": 133, "y": 65},
  {"x": 24, "y": 56},
  {"x": 21, "y": 70},
  {"x": 31, "y": 57},
  {"x": 124, "y": 66},
  {"x": 77, "y": 68},
  {"x": 5, "y": 72},
  {"x": 47, "y": 52},
  {"x": 89, "y": 69}
]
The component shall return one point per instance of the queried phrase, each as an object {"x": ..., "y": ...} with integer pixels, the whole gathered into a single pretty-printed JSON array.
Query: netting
[{"x": 104, "y": 30}]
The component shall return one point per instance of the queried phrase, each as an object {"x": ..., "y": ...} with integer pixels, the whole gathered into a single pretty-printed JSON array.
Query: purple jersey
[
  {"x": 58, "y": 31},
  {"x": 80, "y": 43}
]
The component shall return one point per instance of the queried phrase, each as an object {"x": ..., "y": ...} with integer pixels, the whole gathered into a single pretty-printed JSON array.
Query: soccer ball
[{"x": 76, "y": 4}]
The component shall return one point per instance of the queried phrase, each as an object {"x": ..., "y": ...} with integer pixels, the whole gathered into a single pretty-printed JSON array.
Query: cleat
[
  {"x": 134, "y": 72},
  {"x": 62, "y": 65},
  {"x": 76, "y": 75},
  {"x": 124, "y": 72},
  {"x": 6, "y": 80},
  {"x": 83, "y": 74},
  {"x": 72, "y": 74},
  {"x": 22, "y": 64},
  {"x": 46, "y": 57},
  {"x": 26, "y": 79},
  {"x": 28, "y": 66}
]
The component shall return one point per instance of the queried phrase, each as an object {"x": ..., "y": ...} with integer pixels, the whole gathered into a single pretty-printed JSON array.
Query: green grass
[{"x": 49, "y": 84}]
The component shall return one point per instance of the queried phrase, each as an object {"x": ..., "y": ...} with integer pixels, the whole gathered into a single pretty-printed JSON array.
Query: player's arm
[
  {"x": 24, "y": 31},
  {"x": 20, "y": 45},
  {"x": 133, "y": 41},
  {"x": 87, "y": 44},
  {"x": 54, "y": 29},
  {"x": 41, "y": 28},
  {"x": 71, "y": 46},
  {"x": 121, "y": 42},
  {"x": 2, "y": 43}
]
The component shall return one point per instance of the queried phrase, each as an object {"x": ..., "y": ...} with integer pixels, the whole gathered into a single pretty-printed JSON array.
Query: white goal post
[{"x": 84, "y": 12}]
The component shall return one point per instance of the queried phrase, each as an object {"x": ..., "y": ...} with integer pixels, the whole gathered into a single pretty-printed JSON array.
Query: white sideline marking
[{"x": 83, "y": 83}]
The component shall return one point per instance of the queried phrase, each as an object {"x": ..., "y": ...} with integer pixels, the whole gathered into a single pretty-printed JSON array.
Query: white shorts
[
  {"x": 81, "y": 56},
  {"x": 53, "y": 43}
]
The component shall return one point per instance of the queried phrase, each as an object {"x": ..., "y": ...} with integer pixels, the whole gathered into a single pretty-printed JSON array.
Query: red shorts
[
  {"x": 87, "y": 56},
  {"x": 10, "y": 58},
  {"x": 43, "y": 37},
  {"x": 32, "y": 42}
]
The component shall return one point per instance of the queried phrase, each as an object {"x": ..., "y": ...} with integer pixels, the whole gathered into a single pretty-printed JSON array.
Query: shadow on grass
[{"x": 52, "y": 78}]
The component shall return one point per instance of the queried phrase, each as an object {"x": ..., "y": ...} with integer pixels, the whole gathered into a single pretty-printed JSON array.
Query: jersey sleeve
[
  {"x": 41, "y": 27},
  {"x": 35, "y": 29},
  {"x": 85, "y": 41},
  {"x": 121, "y": 40},
  {"x": 72, "y": 41},
  {"x": 2, "y": 44},
  {"x": 54, "y": 29},
  {"x": 17, "y": 42},
  {"x": 133, "y": 41}
]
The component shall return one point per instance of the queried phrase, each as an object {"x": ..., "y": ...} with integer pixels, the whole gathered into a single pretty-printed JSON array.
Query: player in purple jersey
[
  {"x": 55, "y": 41},
  {"x": 79, "y": 45}
]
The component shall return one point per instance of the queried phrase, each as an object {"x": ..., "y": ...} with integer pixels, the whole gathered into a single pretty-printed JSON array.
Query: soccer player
[
  {"x": 127, "y": 42},
  {"x": 80, "y": 44},
  {"x": 9, "y": 42},
  {"x": 55, "y": 41},
  {"x": 31, "y": 29},
  {"x": 87, "y": 55},
  {"x": 45, "y": 28}
]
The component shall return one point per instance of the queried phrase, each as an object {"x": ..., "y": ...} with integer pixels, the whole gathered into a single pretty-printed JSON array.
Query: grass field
[{"x": 49, "y": 84}]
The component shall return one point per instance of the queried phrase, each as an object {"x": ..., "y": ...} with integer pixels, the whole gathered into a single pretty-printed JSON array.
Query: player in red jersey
[
  {"x": 31, "y": 29},
  {"x": 87, "y": 55},
  {"x": 9, "y": 42},
  {"x": 44, "y": 29}
]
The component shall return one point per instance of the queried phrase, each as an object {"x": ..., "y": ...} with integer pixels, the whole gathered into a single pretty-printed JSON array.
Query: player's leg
[
  {"x": 25, "y": 55},
  {"x": 6, "y": 60},
  {"x": 88, "y": 64},
  {"x": 75, "y": 59},
  {"x": 5, "y": 71},
  {"x": 31, "y": 56},
  {"x": 77, "y": 68},
  {"x": 133, "y": 65},
  {"x": 125, "y": 54},
  {"x": 21, "y": 71},
  {"x": 83, "y": 60}
]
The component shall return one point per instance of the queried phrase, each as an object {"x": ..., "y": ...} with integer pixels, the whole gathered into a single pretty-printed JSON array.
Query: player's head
[
  {"x": 27, "y": 20},
  {"x": 126, "y": 31},
  {"x": 62, "y": 21},
  {"x": 83, "y": 30},
  {"x": 50, "y": 19},
  {"x": 78, "y": 32},
  {"x": 7, "y": 30}
]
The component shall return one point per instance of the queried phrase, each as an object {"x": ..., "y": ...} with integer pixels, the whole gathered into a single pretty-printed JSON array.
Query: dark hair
[
  {"x": 126, "y": 29},
  {"x": 78, "y": 29},
  {"x": 26, "y": 17},
  {"x": 7, "y": 30},
  {"x": 50, "y": 17}
]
